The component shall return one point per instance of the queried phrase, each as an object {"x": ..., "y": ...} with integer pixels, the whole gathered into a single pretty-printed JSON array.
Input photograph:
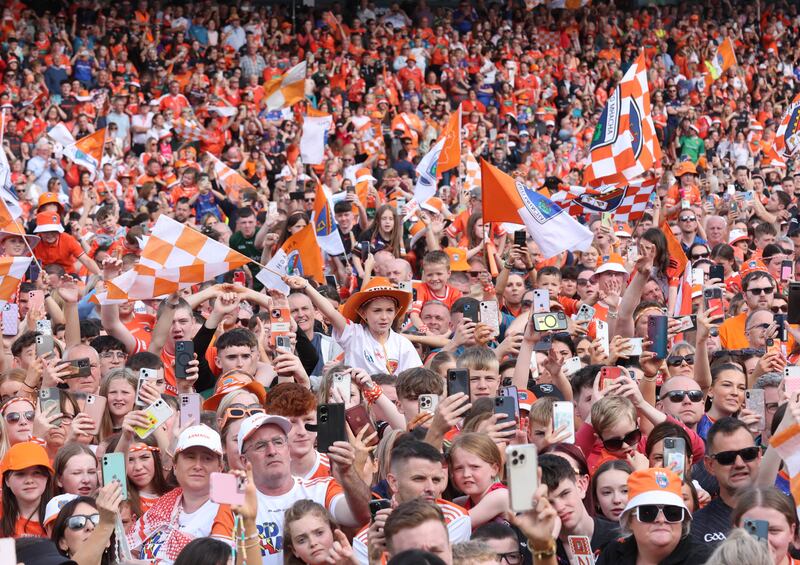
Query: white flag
[{"x": 315, "y": 136}]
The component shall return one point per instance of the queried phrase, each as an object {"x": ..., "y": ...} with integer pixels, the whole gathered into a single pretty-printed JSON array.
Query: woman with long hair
[
  {"x": 610, "y": 488},
  {"x": 772, "y": 506},
  {"x": 27, "y": 486},
  {"x": 386, "y": 229},
  {"x": 75, "y": 469}
]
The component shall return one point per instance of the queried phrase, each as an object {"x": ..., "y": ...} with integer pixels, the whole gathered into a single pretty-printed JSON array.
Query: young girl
[
  {"x": 774, "y": 507},
  {"x": 475, "y": 465},
  {"x": 310, "y": 535},
  {"x": 76, "y": 470},
  {"x": 27, "y": 486},
  {"x": 364, "y": 326},
  {"x": 725, "y": 397},
  {"x": 610, "y": 488},
  {"x": 119, "y": 387}
]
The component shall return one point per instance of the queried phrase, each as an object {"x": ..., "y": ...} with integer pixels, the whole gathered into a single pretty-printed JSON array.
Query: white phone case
[
  {"x": 601, "y": 329},
  {"x": 541, "y": 300},
  {"x": 428, "y": 402},
  {"x": 8, "y": 551},
  {"x": 521, "y": 468},
  {"x": 489, "y": 315},
  {"x": 341, "y": 381},
  {"x": 158, "y": 413},
  {"x": 564, "y": 414},
  {"x": 572, "y": 366}
]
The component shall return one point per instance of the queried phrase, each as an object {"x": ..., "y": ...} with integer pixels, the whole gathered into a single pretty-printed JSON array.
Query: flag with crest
[{"x": 627, "y": 203}]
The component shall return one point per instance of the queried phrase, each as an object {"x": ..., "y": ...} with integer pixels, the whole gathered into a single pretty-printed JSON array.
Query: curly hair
[{"x": 290, "y": 400}]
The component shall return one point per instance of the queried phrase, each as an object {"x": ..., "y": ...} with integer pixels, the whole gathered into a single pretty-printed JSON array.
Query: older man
[
  {"x": 682, "y": 399},
  {"x": 716, "y": 230},
  {"x": 89, "y": 384}
]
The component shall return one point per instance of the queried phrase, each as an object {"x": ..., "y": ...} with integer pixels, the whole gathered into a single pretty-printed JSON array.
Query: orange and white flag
[
  {"x": 285, "y": 90},
  {"x": 231, "y": 182},
  {"x": 87, "y": 151},
  {"x": 724, "y": 59},
  {"x": 174, "y": 257},
  {"x": 12, "y": 271},
  {"x": 300, "y": 255},
  {"x": 188, "y": 130},
  {"x": 443, "y": 156},
  {"x": 472, "y": 178}
]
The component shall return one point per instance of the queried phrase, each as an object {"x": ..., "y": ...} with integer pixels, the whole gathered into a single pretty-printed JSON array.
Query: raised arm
[{"x": 324, "y": 305}]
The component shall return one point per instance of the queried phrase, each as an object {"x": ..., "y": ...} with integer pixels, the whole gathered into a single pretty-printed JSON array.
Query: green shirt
[
  {"x": 691, "y": 147},
  {"x": 247, "y": 247}
]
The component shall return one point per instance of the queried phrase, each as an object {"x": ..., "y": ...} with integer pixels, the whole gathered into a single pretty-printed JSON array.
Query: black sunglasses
[
  {"x": 780, "y": 309},
  {"x": 648, "y": 513},
  {"x": 617, "y": 443},
  {"x": 14, "y": 417},
  {"x": 757, "y": 291},
  {"x": 678, "y": 395},
  {"x": 78, "y": 521},
  {"x": 763, "y": 326},
  {"x": 677, "y": 360},
  {"x": 729, "y": 457},
  {"x": 700, "y": 256}
]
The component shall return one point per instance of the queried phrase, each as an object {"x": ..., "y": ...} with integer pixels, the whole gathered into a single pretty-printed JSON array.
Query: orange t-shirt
[{"x": 64, "y": 252}]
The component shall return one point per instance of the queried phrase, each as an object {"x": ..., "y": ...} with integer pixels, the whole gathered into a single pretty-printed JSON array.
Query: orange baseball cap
[
  {"x": 685, "y": 167},
  {"x": 654, "y": 485},
  {"x": 23, "y": 456},
  {"x": 615, "y": 264},
  {"x": 458, "y": 258}
]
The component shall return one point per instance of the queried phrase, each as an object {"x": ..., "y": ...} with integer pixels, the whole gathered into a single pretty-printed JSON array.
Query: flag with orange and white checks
[
  {"x": 12, "y": 271},
  {"x": 188, "y": 130},
  {"x": 373, "y": 145},
  {"x": 231, "y": 182},
  {"x": 175, "y": 256},
  {"x": 624, "y": 145},
  {"x": 472, "y": 177}
]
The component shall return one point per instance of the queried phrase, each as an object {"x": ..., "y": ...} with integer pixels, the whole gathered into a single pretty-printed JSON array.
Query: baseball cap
[
  {"x": 24, "y": 455},
  {"x": 654, "y": 485},
  {"x": 55, "y": 505},
  {"x": 48, "y": 222},
  {"x": 526, "y": 399},
  {"x": 199, "y": 436},
  {"x": 545, "y": 389},
  {"x": 458, "y": 258},
  {"x": 615, "y": 264},
  {"x": 256, "y": 421},
  {"x": 42, "y": 552},
  {"x": 736, "y": 236}
]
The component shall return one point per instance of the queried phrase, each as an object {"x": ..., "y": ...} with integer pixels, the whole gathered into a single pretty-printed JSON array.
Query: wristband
[
  {"x": 549, "y": 551},
  {"x": 371, "y": 395}
]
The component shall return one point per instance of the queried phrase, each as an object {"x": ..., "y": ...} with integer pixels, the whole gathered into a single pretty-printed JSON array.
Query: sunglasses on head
[
  {"x": 678, "y": 395},
  {"x": 678, "y": 360},
  {"x": 14, "y": 417},
  {"x": 729, "y": 457},
  {"x": 617, "y": 443},
  {"x": 648, "y": 513},
  {"x": 78, "y": 521}
]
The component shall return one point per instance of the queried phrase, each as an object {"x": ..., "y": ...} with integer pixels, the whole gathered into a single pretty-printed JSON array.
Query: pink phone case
[
  {"x": 227, "y": 488},
  {"x": 94, "y": 406}
]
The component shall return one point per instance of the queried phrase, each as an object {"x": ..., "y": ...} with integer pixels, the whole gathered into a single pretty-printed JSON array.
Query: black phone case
[
  {"x": 182, "y": 358},
  {"x": 793, "y": 316},
  {"x": 471, "y": 312},
  {"x": 716, "y": 272},
  {"x": 505, "y": 405},
  {"x": 457, "y": 381},
  {"x": 330, "y": 426}
]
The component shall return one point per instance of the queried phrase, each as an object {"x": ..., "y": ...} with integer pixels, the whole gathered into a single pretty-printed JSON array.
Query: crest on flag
[
  {"x": 627, "y": 203},
  {"x": 787, "y": 138},
  {"x": 540, "y": 207}
]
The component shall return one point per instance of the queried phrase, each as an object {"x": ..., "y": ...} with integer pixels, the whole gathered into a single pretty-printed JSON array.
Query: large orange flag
[
  {"x": 723, "y": 60},
  {"x": 87, "y": 151},
  {"x": 450, "y": 157},
  {"x": 300, "y": 255},
  {"x": 231, "y": 182},
  {"x": 677, "y": 258}
]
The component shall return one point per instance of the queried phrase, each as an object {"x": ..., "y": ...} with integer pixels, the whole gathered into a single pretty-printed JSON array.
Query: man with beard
[{"x": 758, "y": 289}]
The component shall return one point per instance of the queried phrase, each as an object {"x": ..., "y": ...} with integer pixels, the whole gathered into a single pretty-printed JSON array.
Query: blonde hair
[
  {"x": 479, "y": 358},
  {"x": 473, "y": 552},
  {"x": 740, "y": 547},
  {"x": 297, "y": 511},
  {"x": 609, "y": 410},
  {"x": 106, "y": 423},
  {"x": 480, "y": 445},
  {"x": 542, "y": 411}
]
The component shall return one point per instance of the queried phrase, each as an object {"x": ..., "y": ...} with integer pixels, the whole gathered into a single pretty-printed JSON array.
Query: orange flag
[
  {"x": 87, "y": 151},
  {"x": 677, "y": 258},
  {"x": 450, "y": 157},
  {"x": 231, "y": 182},
  {"x": 299, "y": 255},
  {"x": 723, "y": 60}
]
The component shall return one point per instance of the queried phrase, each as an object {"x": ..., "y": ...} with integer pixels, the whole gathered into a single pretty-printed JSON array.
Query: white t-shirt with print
[{"x": 365, "y": 352}]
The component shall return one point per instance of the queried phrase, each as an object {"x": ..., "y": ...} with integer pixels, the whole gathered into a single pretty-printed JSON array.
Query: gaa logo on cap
[{"x": 661, "y": 479}]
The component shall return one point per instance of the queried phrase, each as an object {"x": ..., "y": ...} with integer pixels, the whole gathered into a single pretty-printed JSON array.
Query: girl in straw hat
[{"x": 364, "y": 326}]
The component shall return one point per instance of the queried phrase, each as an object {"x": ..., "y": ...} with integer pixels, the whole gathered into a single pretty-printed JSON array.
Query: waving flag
[
  {"x": 300, "y": 255},
  {"x": 315, "y": 136},
  {"x": 627, "y": 203},
  {"x": 723, "y": 60},
  {"x": 175, "y": 256},
  {"x": 509, "y": 200},
  {"x": 231, "y": 182},
  {"x": 443, "y": 156},
  {"x": 325, "y": 227},
  {"x": 87, "y": 151},
  {"x": 787, "y": 138},
  {"x": 287, "y": 89},
  {"x": 12, "y": 271},
  {"x": 188, "y": 130},
  {"x": 624, "y": 145}
]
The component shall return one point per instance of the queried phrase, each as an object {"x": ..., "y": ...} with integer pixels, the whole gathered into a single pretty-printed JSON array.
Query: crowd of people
[{"x": 415, "y": 407}]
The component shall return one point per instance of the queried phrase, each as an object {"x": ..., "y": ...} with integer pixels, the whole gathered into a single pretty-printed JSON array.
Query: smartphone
[
  {"x": 36, "y": 301},
  {"x": 585, "y": 313},
  {"x": 635, "y": 346},
  {"x": 144, "y": 375},
  {"x": 184, "y": 353},
  {"x": 773, "y": 346},
  {"x": 296, "y": 195},
  {"x": 428, "y": 403},
  {"x": 283, "y": 343},
  {"x": 82, "y": 367},
  {"x": 8, "y": 551},
  {"x": 227, "y": 488},
  {"x": 511, "y": 391},
  {"x": 114, "y": 470},
  {"x": 780, "y": 322},
  {"x": 522, "y": 471},
  {"x": 675, "y": 451},
  {"x": 330, "y": 280},
  {"x": 633, "y": 253},
  {"x": 793, "y": 316},
  {"x": 376, "y": 505},
  {"x": 470, "y": 311},
  {"x": 239, "y": 278},
  {"x": 608, "y": 375},
  {"x": 572, "y": 366},
  {"x": 541, "y": 300},
  {"x": 754, "y": 401},
  {"x": 716, "y": 272},
  {"x": 712, "y": 300},
  {"x": 506, "y": 406},
  {"x": 520, "y": 238},
  {"x": 157, "y": 413},
  {"x": 657, "y": 334},
  {"x": 95, "y": 406},
  {"x": 189, "y": 409},
  {"x": 601, "y": 331},
  {"x": 363, "y": 250},
  {"x": 330, "y": 426},
  {"x": 44, "y": 345},
  {"x": 787, "y": 267},
  {"x": 44, "y": 327},
  {"x": 564, "y": 415},
  {"x": 489, "y": 315},
  {"x": 605, "y": 219},
  {"x": 791, "y": 379},
  {"x": 48, "y": 398},
  {"x": 279, "y": 324},
  {"x": 341, "y": 382},
  {"x": 357, "y": 418},
  {"x": 698, "y": 276},
  {"x": 759, "y": 529},
  {"x": 549, "y": 321},
  {"x": 685, "y": 323},
  {"x": 457, "y": 381},
  {"x": 10, "y": 319}
]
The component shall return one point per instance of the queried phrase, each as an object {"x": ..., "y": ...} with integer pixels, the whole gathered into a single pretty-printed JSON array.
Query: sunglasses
[
  {"x": 583, "y": 282},
  {"x": 648, "y": 513},
  {"x": 729, "y": 457},
  {"x": 763, "y": 326},
  {"x": 617, "y": 443},
  {"x": 758, "y": 291},
  {"x": 678, "y": 360},
  {"x": 236, "y": 413},
  {"x": 780, "y": 309},
  {"x": 78, "y": 521},
  {"x": 14, "y": 417},
  {"x": 687, "y": 218},
  {"x": 678, "y": 395},
  {"x": 700, "y": 255}
]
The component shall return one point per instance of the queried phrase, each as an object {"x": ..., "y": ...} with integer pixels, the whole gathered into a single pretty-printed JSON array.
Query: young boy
[
  {"x": 435, "y": 277},
  {"x": 484, "y": 371},
  {"x": 413, "y": 383}
]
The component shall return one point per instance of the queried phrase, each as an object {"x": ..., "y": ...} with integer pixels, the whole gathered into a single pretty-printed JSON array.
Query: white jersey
[
  {"x": 269, "y": 520},
  {"x": 365, "y": 352}
]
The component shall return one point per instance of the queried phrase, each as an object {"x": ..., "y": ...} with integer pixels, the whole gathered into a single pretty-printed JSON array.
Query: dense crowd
[{"x": 448, "y": 393}]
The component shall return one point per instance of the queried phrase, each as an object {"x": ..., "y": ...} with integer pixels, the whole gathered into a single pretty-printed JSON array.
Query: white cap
[
  {"x": 199, "y": 436},
  {"x": 737, "y": 235},
  {"x": 55, "y": 505},
  {"x": 256, "y": 421}
]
